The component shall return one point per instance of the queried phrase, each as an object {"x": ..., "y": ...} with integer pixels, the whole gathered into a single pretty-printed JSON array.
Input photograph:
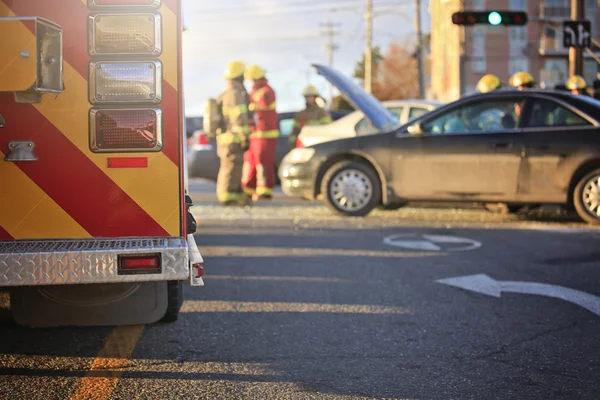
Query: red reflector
[
  {"x": 132, "y": 162},
  {"x": 299, "y": 144},
  {"x": 114, "y": 130},
  {"x": 140, "y": 264},
  {"x": 199, "y": 270}
]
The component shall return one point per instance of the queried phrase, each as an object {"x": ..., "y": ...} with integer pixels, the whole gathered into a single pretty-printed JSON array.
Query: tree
[
  {"x": 339, "y": 103},
  {"x": 359, "y": 70}
]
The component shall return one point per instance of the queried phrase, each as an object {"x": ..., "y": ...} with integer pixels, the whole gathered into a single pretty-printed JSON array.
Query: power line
[{"x": 331, "y": 47}]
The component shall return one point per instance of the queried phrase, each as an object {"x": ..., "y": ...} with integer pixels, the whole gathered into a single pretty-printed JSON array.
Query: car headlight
[{"x": 299, "y": 156}]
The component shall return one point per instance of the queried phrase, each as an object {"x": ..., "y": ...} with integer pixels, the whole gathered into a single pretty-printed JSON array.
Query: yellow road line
[{"x": 115, "y": 354}]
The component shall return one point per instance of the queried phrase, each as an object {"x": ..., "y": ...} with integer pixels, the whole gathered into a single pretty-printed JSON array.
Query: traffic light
[{"x": 493, "y": 18}]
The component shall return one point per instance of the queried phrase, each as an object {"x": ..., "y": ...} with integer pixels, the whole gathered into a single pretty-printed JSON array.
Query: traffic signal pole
[
  {"x": 576, "y": 55},
  {"x": 420, "y": 49}
]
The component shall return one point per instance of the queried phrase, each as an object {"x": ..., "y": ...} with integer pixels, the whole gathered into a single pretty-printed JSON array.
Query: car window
[
  {"x": 286, "y": 126},
  {"x": 547, "y": 113},
  {"x": 366, "y": 127},
  {"x": 416, "y": 112},
  {"x": 483, "y": 116}
]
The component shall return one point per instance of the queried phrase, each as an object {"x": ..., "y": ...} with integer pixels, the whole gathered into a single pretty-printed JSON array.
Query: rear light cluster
[{"x": 125, "y": 76}]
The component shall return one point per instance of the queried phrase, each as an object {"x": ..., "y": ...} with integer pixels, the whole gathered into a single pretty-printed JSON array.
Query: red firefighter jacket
[{"x": 262, "y": 102}]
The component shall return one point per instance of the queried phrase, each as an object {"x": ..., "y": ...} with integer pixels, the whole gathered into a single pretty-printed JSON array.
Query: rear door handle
[{"x": 503, "y": 145}]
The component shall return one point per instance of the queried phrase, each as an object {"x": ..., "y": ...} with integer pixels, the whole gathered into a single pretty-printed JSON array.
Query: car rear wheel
[
  {"x": 586, "y": 198},
  {"x": 351, "y": 188}
]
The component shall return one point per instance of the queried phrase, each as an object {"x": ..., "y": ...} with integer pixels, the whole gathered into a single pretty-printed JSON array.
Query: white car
[{"x": 356, "y": 124}]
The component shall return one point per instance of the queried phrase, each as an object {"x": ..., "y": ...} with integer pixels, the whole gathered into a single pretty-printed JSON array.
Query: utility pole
[
  {"x": 369, "y": 49},
  {"x": 576, "y": 55},
  {"x": 330, "y": 47},
  {"x": 420, "y": 49}
]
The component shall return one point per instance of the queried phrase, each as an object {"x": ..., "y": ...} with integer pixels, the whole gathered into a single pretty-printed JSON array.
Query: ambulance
[{"x": 95, "y": 227}]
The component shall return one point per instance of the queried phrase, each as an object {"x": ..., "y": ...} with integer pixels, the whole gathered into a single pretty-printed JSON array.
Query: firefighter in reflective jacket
[
  {"x": 259, "y": 161},
  {"x": 232, "y": 141},
  {"x": 311, "y": 115}
]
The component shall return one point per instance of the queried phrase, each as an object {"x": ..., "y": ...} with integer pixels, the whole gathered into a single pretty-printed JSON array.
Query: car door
[
  {"x": 471, "y": 151},
  {"x": 553, "y": 132}
]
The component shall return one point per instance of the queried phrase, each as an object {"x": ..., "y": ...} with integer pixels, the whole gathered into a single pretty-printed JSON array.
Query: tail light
[
  {"x": 139, "y": 264},
  {"x": 120, "y": 34},
  {"x": 116, "y": 130},
  {"x": 121, "y": 81},
  {"x": 299, "y": 143}
]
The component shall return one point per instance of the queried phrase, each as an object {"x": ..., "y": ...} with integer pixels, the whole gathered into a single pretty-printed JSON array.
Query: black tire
[
  {"x": 369, "y": 178},
  {"x": 502, "y": 208},
  {"x": 175, "y": 300},
  {"x": 579, "y": 202}
]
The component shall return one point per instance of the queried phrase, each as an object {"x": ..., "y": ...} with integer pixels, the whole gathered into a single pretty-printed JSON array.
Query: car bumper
[
  {"x": 298, "y": 179},
  {"x": 62, "y": 262}
]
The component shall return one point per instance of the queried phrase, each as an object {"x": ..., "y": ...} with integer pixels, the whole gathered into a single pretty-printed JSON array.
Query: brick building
[{"x": 503, "y": 50}]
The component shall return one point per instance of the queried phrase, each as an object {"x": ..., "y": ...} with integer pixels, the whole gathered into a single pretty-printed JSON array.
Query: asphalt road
[{"x": 301, "y": 304}]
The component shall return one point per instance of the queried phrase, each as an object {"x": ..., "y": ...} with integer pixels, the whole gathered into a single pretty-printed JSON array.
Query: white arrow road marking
[{"x": 483, "y": 284}]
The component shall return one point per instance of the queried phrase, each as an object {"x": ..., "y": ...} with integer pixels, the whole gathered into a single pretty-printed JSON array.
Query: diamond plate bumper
[{"x": 61, "y": 262}]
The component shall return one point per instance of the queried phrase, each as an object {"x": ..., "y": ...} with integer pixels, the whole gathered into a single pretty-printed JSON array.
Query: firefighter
[
  {"x": 522, "y": 80},
  {"x": 311, "y": 115},
  {"x": 488, "y": 83},
  {"x": 259, "y": 161},
  {"x": 232, "y": 141},
  {"x": 577, "y": 85}
]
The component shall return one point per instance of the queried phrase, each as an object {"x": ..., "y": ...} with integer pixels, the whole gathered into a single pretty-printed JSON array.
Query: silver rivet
[
  {"x": 51, "y": 60},
  {"x": 25, "y": 54}
]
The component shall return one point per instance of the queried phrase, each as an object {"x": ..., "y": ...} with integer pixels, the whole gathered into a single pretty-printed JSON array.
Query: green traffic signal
[{"x": 494, "y": 18}]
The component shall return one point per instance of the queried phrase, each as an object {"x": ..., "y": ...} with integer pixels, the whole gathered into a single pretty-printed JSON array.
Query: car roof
[{"x": 410, "y": 102}]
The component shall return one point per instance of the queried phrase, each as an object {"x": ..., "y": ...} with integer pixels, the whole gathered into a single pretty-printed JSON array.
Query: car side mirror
[{"x": 416, "y": 129}]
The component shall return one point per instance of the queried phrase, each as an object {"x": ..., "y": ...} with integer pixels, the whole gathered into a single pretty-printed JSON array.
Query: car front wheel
[
  {"x": 586, "y": 198},
  {"x": 351, "y": 188}
]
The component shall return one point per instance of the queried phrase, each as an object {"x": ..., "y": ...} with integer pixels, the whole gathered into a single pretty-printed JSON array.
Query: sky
[{"x": 284, "y": 37}]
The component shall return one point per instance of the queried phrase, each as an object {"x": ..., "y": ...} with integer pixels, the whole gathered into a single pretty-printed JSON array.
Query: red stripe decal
[
  {"x": 169, "y": 106},
  {"x": 129, "y": 162},
  {"x": 73, "y": 22},
  {"x": 5, "y": 235},
  {"x": 72, "y": 180}
]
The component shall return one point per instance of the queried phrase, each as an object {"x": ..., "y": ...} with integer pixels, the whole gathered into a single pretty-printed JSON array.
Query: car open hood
[{"x": 369, "y": 105}]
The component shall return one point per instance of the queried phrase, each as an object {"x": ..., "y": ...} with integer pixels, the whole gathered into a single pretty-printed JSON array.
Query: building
[{"x": 460, "y": 56}]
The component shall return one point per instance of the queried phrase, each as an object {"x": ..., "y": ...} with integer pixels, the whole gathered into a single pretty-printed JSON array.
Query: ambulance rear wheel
[{"x": 174, "y": 300}]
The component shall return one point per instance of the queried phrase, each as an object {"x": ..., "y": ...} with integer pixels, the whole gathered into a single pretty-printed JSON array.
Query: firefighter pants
[
  {"x": 259, "y": 167},
  {"x": 229, "y": 180}
]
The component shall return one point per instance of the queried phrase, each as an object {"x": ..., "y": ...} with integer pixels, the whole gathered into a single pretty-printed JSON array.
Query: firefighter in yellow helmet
[
  {"x": 488, "y": 83},
  {"x": 577, "y": 85},
  {"x": 311, "y": 115},
  {"x": 522, "y": 80},
  {"x": 232, "y": 141}
]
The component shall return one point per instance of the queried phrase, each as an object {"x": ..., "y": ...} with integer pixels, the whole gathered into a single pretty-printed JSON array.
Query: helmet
[
  {"x": 488, "y": 83},
  {"x": 576, "y": 82},
  {"x": 522, "y": 78},
  {"x": 234, "y": 69},
  {"x": 310, "y": 90},
  {"x": 254, "y": 72}
]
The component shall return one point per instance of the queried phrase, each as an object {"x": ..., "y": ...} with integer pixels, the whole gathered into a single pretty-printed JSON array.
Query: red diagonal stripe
[
  {"x": 5, "y": 235},
  {"x": 71, "y": 15},
  {"x": 71, "y": 179},
  {"x": 170, "y": 108}
]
